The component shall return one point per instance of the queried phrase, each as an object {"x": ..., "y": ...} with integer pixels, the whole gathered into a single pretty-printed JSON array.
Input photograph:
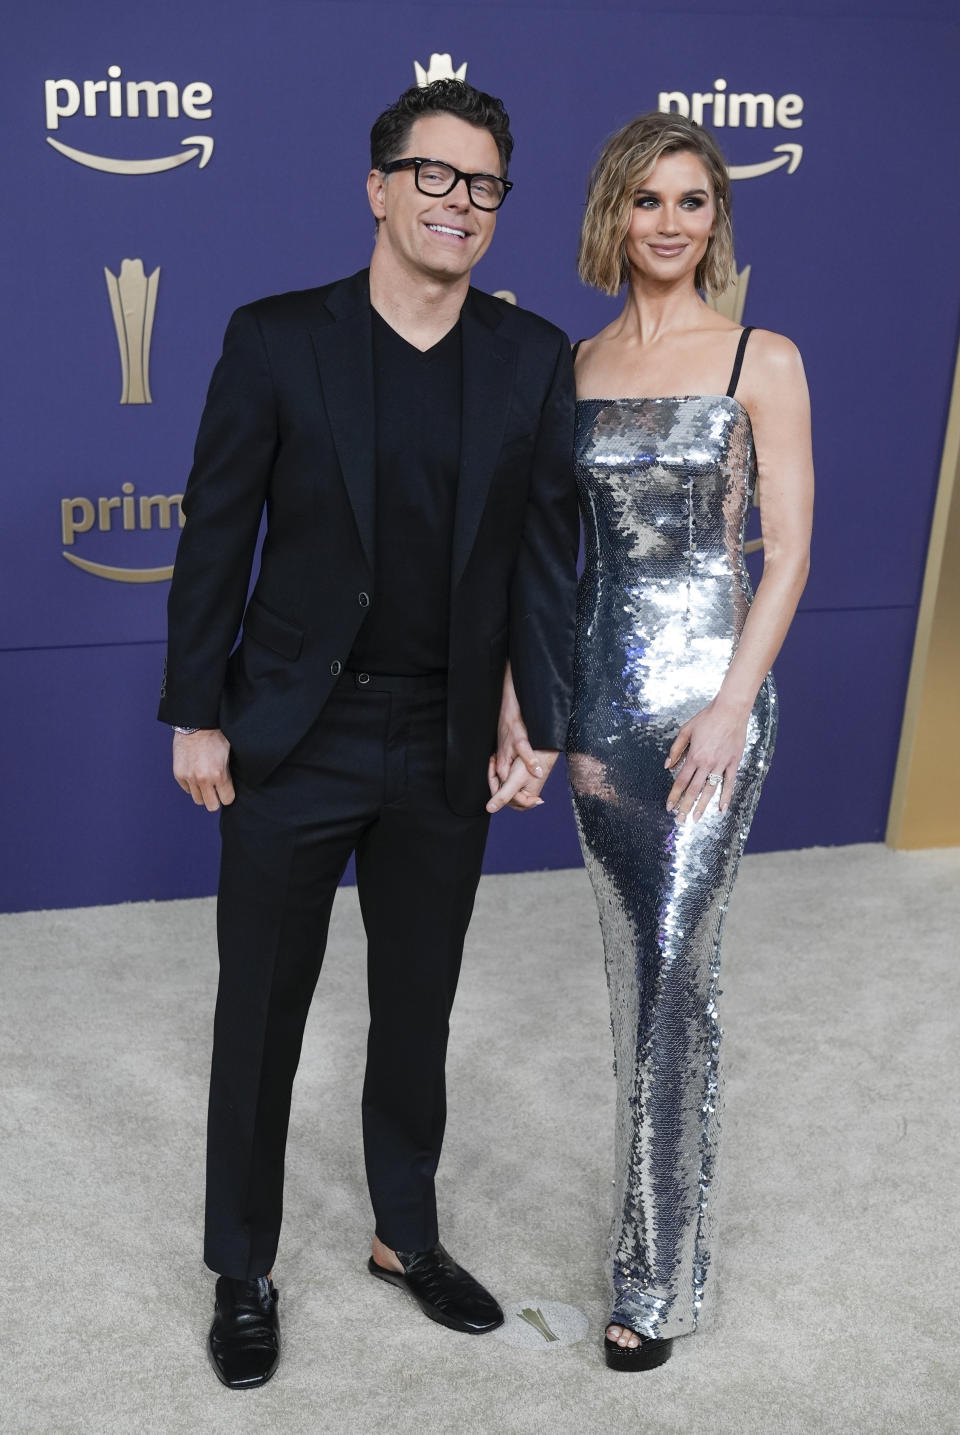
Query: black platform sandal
[{"x": 645, "y": 1356}]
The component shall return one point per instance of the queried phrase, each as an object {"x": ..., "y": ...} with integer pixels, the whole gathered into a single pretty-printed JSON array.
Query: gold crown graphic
[
  {"x": 439, "y": 68},
  {"x": 731, "y": 302}
]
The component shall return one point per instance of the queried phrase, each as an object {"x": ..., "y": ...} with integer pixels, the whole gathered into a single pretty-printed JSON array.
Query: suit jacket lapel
[
  {"x": 489, "y": 364},
  {"x": 343, "y": 347}
]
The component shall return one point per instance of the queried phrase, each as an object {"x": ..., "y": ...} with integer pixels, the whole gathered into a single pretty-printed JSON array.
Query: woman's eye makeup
[{"x": 649, "y": 201}]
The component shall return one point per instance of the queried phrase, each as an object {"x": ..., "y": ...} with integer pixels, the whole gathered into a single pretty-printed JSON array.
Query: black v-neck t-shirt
[{"x": 417, "y": 403}]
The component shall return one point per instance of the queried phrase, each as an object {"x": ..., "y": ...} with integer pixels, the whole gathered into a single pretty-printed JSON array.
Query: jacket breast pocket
[{"x": 272, "y": 631}]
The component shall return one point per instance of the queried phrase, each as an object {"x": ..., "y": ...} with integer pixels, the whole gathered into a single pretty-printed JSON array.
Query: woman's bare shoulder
[
  {"x": 775, "y": 352},
  {"x": 773, "y": 383}
]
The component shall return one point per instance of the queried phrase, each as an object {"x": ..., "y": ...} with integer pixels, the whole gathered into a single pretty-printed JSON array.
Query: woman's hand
[
  {"x": 516, "y": 771},
  {"x": 710, "y": 744}
]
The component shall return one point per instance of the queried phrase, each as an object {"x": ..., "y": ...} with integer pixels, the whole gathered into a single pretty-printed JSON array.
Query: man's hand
[
  {"x": 201, "y": 765},
  {"x": 516, "y": 772}
]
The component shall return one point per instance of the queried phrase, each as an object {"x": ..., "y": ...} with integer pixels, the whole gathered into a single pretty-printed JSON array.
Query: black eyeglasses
[{"x": 433, "y": 176}]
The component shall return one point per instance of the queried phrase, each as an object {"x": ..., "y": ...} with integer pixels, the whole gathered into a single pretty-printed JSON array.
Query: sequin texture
[{"x": 665, "y": 487}]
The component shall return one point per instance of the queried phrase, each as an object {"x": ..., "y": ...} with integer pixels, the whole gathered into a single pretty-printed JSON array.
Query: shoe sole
[
  {"x": 638, "y": 1357},
  {"x": 394, "y": 1278},
  {"x": 247, "y": 1384}
]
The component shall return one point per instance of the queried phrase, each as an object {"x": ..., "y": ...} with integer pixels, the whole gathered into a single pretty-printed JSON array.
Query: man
[{"x": 411, "y": 439}]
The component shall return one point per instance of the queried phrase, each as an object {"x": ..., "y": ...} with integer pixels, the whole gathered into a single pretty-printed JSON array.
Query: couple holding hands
[{"x": 416, "y": 652}]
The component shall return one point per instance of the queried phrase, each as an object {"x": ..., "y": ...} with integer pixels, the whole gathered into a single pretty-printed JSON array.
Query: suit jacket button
[
  {"x": 336, "y": 668},
  {"x": 364, "y": 600}
]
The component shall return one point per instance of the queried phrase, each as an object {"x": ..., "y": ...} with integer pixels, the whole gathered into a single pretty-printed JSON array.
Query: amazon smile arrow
[
  {"x": 787, "y": 154},
  {"x": 202, "y": 145},
  {"x": 121, "y": 575}
]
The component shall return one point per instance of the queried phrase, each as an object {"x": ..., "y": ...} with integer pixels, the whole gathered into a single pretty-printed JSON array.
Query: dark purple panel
[
  {"x": 91, "y": 811},
  {"x": 540, "y": 840},
  {"x": 281, "y": 204},
  {"x": 842, "y": 680},
  {"x": 844, "y": 258},
  {"x": 96, "y": 817}
]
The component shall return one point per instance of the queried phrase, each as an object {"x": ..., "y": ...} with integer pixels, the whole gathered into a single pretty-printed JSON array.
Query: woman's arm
[{"x": 775, "y": 394}]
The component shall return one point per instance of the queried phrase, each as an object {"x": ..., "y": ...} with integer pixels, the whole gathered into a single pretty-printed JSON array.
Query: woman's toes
[{"x": 623, "y": 1336}]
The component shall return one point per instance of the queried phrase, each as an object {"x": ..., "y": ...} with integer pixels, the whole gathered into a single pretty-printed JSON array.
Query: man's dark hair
[{"x": 389, "y": 135}]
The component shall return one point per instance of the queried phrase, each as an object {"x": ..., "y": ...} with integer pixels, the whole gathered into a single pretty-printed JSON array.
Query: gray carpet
[{"x": 836, "y": 1308}]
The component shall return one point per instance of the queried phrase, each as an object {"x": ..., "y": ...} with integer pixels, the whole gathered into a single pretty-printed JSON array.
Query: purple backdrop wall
[{"x": 852, "y": 253}]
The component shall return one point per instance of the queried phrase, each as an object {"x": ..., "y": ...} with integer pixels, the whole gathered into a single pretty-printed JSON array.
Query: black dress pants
[{"x": 367, "y": 778}]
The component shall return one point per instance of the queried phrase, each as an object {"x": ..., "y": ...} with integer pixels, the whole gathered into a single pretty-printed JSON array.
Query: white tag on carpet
[{"x": 535, "y": 1324}]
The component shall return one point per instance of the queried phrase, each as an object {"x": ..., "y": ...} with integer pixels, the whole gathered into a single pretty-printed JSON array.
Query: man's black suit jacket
[{"x": 288, "y": 424}]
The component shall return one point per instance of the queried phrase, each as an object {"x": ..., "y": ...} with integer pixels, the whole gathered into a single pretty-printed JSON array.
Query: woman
[{"x": 680, "y": 415}]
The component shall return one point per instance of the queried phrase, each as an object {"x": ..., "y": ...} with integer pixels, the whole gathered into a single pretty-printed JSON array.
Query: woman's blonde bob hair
[{"x": 625, "y": 162}]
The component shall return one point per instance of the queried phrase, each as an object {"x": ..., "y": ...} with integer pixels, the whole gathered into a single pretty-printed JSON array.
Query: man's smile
[{"x": 447, "y": 229}]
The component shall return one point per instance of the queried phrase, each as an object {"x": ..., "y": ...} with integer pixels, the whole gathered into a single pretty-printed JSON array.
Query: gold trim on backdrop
[{"x": 925, "y": 801}]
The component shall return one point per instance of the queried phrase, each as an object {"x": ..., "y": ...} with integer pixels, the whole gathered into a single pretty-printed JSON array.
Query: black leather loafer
[
  {"x": 244, "y": 1343},
  {"x": 443, "y": 1290},
  {"x": 645, "y": 1356}
]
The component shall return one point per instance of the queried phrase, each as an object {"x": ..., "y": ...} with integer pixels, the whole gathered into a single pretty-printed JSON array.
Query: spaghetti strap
[
  {"x": 573, "y": 351},
  {"x": 738, "y": 361}
]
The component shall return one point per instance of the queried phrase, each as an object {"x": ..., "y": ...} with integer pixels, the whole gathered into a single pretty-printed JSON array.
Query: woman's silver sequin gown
[{"x": 665, "y": 486}]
